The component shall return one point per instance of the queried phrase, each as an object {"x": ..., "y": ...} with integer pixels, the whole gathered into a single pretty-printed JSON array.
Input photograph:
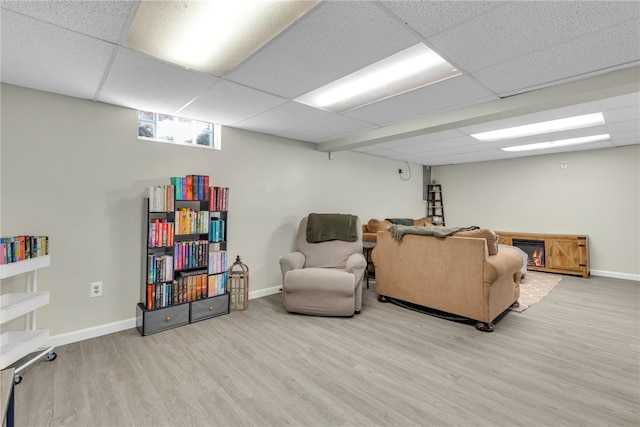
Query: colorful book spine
[
  {"x": 217, "y": 262},
  {"x": 217, "y": 285},
  {"x": 190, "y": 254},
  {"x": 20, "y": 248},
  {"x": 217, "y": 230}
]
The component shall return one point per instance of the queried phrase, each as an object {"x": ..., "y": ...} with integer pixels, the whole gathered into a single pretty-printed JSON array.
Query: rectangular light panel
[
  {"x": 402, "y": 72},
  {"x": 211, "y": 36},
  {"x": 569, "y": 123},
  {"x": 559, "y": 143}
]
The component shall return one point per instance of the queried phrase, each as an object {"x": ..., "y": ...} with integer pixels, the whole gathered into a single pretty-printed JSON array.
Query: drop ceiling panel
[
  {"x": 105, "y": 20},
  {"x": 578, "y": 57},
  {"x": 334, "y": 39},
  {"x": 430, "y": 17},
  {"x": 625, "y": 129},
  {"x": 331, "y": 127},
  {"x": 141, "y": 82},
  {"x": 623, "y": 114},
  {"x": 454, "y": 92},
  {"x": 228, "y": 103},
  {"x": 626, "y": 138},
  {"x": 521, "y": 28},
  {"x": 44, "y": 57},
  {"x": 285, "y": 117}
]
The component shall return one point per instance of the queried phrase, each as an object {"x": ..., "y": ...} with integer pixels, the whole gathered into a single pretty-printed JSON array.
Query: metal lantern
[{"x": 238, "y": 285}]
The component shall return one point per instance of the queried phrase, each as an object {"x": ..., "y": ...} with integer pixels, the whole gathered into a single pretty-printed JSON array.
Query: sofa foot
[
  {"x": 515, "y": 304},
  {"x": 356, "y": 312},
  {"x": 484, "y": 327},
  {"x": 382, "y": 298}
]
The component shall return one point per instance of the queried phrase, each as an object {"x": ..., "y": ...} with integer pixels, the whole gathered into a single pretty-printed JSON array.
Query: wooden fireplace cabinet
[{"x": 564, "y": 253}]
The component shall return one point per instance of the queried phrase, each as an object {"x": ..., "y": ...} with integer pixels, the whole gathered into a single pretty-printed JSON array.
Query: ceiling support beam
[{"x": 615, "y": 83}]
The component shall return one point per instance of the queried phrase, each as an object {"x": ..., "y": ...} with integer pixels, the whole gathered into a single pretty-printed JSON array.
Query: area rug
[{"x": 534, "y": 287}]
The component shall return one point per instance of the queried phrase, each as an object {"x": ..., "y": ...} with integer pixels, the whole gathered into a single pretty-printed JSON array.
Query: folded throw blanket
[
  {"x": 325, "y": 227},
  {"x": 397, "y": 231}
]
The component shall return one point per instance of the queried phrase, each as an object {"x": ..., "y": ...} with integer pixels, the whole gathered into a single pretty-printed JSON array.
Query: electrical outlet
[{"x": 96, "y": 289}]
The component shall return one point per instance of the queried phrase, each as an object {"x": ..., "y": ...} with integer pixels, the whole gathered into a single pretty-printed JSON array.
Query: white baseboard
[
  {"x": 615, "y": 275},
  {"x": 122, "y": 325},
  {"x": 265, "y": 292},
  {"x": 93, "y": 332}
]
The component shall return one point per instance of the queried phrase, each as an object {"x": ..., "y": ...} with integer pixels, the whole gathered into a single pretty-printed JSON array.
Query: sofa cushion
[
  {"x": 375, "y": 225},
  {"x": 483, "y": 233},
  {"x": 422, "y": 222}
]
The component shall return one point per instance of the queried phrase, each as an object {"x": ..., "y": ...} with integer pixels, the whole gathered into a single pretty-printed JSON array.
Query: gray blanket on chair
[{"x": 397, "y": 231}]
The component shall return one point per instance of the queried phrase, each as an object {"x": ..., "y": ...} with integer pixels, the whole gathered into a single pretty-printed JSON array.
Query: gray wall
[
  {"x": 74, "y": 170},
  {"x": 598, "y": 194}
]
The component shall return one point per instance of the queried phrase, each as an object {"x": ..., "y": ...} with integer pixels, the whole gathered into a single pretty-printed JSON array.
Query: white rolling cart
[{"x": 18, "y": 344}]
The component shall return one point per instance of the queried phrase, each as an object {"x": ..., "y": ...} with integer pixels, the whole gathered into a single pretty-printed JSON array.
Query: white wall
[
  {"x": 74, "y": 170},
  {"x": 598, "y": 194}
]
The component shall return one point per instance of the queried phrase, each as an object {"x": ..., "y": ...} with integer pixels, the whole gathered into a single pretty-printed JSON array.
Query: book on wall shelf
[
  {"x": 23, "y": 255},
  {"x": 185, "y": 253}
]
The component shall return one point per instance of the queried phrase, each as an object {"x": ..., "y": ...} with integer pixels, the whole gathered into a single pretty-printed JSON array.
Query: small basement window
[{"x": 178, "y": 130}]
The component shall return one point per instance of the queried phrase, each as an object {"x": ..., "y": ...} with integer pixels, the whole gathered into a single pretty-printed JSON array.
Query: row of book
[
  {"x": 219, "y": 199},
  {"x": 191, "y": 187},
  {"x": 161, "y": 198},
  {"x": 186, "y": 288},
  {"x": 217, "y": 262},
  {"x": 192, "y": 286},
  {"x": 160, "y": 233},
  {"x": 159, "y": 268},
  {"x": 190, "y": 221},
  {"x": 216, "y": 231},
  {"x": 20, "y": 248},
  {"x": 190, "y": 254},
  {"x": 217, "y": 285}
]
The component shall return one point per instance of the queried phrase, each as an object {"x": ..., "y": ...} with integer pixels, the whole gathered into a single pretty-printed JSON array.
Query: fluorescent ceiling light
[
  {"x": 559, "y": 143},
  {"x": 210, "y": 36},
  {"x": 577, "y": 122},
  {"x": 404, "y": 71}
]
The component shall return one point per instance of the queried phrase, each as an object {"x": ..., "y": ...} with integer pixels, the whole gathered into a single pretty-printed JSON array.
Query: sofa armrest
[
  {"x": 505, "y": 262},
  {"x": 291, "y": 261}
]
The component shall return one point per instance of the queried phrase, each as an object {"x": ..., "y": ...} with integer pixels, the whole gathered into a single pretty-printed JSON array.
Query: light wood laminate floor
[{"x": 570, "y": 360}]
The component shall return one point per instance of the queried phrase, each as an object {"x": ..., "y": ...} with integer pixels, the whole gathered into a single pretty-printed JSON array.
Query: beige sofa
[
  {"x": 371, "y": 228},
  {"x": 454, "y": 274}
]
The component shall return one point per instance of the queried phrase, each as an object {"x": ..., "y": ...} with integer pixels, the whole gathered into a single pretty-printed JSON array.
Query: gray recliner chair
[{"x": 324, "y": 278}]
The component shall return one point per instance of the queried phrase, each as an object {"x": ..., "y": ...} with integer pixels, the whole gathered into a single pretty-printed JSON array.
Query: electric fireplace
[{"x": 534, "y": 250}]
